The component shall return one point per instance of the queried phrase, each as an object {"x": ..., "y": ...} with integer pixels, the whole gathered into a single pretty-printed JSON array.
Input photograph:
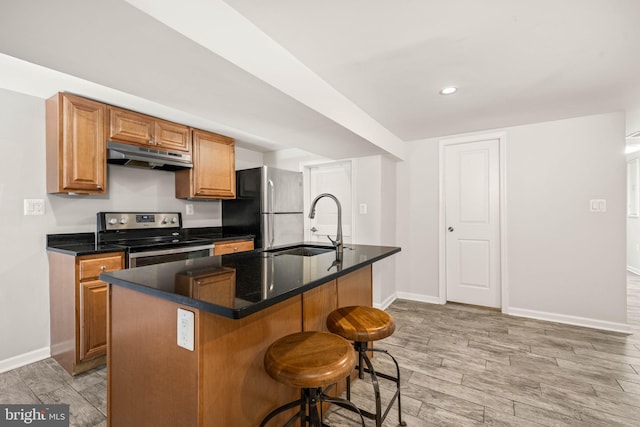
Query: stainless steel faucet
[{"x": 338, "y": 244}]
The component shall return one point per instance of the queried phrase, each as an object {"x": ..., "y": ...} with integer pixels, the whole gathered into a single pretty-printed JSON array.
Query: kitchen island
[{"x": 240, "y": 304}]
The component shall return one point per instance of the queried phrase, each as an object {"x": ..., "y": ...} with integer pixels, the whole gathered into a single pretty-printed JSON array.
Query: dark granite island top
[{"x": 262, "y": 279}]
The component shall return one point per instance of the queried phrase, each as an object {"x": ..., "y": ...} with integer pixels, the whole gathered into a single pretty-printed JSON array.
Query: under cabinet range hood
[{"x": 145, "y": 157}]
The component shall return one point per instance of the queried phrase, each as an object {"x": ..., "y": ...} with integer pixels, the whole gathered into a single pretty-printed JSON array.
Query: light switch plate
[
  {"x": 33, "y": 206},
  {"x": 598, "y": 205},
  {"x": 186, "y": 329}
]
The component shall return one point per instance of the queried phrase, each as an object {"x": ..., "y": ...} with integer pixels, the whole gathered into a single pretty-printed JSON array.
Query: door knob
[
  {"x": 314, "y": 229},
  {"x": 450, "y": 229}
]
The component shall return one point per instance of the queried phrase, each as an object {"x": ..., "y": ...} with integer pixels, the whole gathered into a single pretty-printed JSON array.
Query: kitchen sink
[{"x": 302, "y": 250}]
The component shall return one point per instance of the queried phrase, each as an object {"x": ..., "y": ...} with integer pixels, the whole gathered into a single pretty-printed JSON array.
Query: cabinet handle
[
  {"x": 235, "y": 249},
  {"x": 198, "y": 282},
  {"x": 151, "y": 141},
  {"x": 159, "y": 142},
  {"x": 103, "y": 267},
  {"x": 99, "y": 187}
]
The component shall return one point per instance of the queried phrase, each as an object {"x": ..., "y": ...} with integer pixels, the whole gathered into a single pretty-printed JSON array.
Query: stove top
[{"x": 138, "y": 231}]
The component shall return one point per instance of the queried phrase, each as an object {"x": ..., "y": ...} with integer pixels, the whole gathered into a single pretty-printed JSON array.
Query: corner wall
[{"x": 565, "y": 263}]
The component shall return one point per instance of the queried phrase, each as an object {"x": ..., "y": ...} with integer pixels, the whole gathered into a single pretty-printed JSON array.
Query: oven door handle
[{"x": 171, "y": 251}]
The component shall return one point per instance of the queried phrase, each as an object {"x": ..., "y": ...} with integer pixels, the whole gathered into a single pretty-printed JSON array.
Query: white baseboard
[
  {"x": 633, "y": 270},
  {"x": 571, "y": 320},
  {"x": 419, "y": 297},
  {"x": 386, "y": 303},
  {"x": 24, "y": 359}
]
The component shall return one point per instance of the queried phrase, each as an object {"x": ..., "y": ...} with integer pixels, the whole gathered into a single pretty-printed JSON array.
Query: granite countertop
[
  {"x": 77, "y": 244},
  {"x": 262, "y": 279}
]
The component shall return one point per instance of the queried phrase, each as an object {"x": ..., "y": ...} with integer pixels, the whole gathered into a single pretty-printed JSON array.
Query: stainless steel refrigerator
[{"x": 269, "y": 204}]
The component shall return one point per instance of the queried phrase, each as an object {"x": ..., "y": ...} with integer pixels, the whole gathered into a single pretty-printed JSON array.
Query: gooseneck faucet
[{"x": 338, "y": 244}]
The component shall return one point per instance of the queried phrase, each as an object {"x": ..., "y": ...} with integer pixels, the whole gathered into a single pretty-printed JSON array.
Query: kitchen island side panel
[
  {"x": 150, "y": 380},
  {"x": 235, "y": 389}
]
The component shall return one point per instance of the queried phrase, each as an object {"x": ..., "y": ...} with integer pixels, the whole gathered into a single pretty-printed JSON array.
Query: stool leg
[
  {"x": 396, "y": 380},
  {"x": 376, "y": 387},
  {"x": 286, "y": 407}
]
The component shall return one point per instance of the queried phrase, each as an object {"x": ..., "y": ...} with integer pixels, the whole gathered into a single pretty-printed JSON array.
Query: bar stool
[
  {"x": 361, "y": 325},
  {"x": 310, "y": 361}
]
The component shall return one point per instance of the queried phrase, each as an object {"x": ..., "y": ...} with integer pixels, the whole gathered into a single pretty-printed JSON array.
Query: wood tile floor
[{"x": 461, "y": 366}]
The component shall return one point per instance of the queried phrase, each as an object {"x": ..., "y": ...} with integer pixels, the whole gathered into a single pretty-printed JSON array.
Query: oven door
[{"x": 138, "y": 259}]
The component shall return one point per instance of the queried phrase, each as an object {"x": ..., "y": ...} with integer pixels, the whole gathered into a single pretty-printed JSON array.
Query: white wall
[
  {"x": 24, "y": 276},
  {"x": 564, "y": 262},
  {"x": 374, "y": 185}
]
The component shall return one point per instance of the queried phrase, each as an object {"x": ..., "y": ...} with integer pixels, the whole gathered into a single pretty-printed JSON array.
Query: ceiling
[{"x": 340, "y": 79}]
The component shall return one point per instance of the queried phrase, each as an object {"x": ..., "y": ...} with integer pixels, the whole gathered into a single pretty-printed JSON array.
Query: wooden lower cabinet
[
  {"x": 151, "y": 381},
  {"x": 93, "y": 319},
  {"x": 224, "y": 248},
  {"x": 78, "y": 307}
]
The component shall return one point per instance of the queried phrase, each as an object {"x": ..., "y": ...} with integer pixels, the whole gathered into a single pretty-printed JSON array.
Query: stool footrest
[
  {"x": 309, "y": 401},
  {"x": 367, "y": 367}
]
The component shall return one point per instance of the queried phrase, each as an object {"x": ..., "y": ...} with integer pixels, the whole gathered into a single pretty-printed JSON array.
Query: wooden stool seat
[
  {"x": 309, "y": 359},
  {"x": 361, "y": 324}
]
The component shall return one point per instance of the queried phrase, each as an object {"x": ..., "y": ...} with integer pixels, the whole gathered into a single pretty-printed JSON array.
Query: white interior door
[
  {"x": 472, "y": 220},
  {"x": 333, "y": 178}
]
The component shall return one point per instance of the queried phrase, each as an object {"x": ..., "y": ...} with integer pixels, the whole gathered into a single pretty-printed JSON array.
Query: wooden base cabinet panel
[
  {"x": 356, "y": 288},
  {"x": 150, "y": 380},
  {"x": 224, "y": 248},
  {"x": 78, "y": 306},
  {"x": 93, "y": 319},
  {"x": 236, "y": 390}
]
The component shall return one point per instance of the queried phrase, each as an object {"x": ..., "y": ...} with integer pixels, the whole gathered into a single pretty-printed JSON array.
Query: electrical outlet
[
  {"x": 363, "y": 208},
  {"x": 189, "y": 209},
  {"x": 186, "y": 329}
]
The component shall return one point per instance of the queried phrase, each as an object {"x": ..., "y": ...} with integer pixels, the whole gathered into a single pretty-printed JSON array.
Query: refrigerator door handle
[{"x": 271, "y": 218}]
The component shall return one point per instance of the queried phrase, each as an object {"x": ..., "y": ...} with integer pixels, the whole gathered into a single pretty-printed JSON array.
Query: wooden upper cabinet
[
  {"x": 130, "y": 127},
  {"x": 213, "y": 175},
  {"x": 76, "y": 145}
]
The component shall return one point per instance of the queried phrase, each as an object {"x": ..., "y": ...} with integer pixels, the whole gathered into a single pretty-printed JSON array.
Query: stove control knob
[
  {"x": 174, "y": 220},
  {"x": 165, "y": 220},
  {"x": 113, "y": 221},
  {"x": 123, "y": 220}
]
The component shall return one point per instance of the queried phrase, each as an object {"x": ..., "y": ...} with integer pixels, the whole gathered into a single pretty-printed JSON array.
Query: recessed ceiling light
[{"x": 448, "y": 90}]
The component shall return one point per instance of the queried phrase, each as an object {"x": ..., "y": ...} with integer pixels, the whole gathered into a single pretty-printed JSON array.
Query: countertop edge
[{"x": 239, "y": 313}]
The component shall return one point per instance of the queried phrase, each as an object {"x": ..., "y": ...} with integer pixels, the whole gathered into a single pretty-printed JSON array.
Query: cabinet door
[
  {"x": 172, "y": 136},
  {"x": 131, "y": 128},
  {"x": 93, "y": 319},
  {"x": 82, "y": 157},
  {"x": 214, "y": 174}
]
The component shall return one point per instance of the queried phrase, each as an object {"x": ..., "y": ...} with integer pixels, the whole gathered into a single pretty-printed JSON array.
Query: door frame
[
  {"x": 304, "y": 168},
  {"x": 502, "y": 170}
]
